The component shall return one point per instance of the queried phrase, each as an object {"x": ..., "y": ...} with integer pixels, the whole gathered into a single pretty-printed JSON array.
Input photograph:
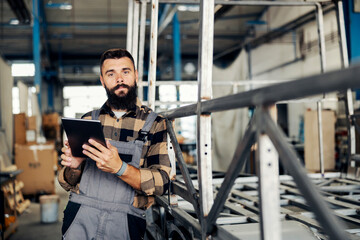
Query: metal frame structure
[{"x": 262, "y": 129}]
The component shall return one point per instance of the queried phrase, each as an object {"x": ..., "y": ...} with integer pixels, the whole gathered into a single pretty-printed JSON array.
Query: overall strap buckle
[{"x": 142, "y": 135}]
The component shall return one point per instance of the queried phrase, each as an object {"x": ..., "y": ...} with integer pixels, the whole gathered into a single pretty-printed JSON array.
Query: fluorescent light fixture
[
  {"x": 188, "y": 8},
  {"x": 61, "y": 6},
  {"x": 23, "y": 69},
  {"x": 14, "y": 21}
]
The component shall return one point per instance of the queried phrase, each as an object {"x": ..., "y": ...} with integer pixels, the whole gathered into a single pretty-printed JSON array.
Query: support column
[
  {"x": 37, "y": 50},
  {"x": 142, "y": 50},
  {"x": 129, "y": 25},
  {"x": 321, "y": 37},
  {"x": 135, "y": 34},
  {"x": 268, "y": 163},
  {"x": 177, "y": 53},
  {"x": 204, "y": 120},
  {"x": 153, "y": 52}
]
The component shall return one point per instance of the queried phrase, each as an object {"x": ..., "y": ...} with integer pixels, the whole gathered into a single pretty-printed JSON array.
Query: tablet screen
[{"x": 79, "y": 131}]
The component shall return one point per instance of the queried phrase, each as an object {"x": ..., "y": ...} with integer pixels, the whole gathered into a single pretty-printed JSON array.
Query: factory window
[
  {"x": 80, "y": 100},
  {"x": 22, "y": 69}
]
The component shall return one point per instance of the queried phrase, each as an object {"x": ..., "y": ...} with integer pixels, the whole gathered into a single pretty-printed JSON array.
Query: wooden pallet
[{"x": 19, "y": 204}]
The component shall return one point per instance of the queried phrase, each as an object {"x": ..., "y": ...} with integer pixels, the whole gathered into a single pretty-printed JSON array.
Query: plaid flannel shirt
[{"x": 154, "y": 163}]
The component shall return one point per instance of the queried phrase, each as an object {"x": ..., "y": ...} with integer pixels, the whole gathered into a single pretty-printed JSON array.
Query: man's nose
[{"x": 119, "y": 78}]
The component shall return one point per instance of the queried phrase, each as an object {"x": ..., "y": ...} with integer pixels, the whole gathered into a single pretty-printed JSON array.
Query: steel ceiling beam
[{"x": 20, "y": 10}]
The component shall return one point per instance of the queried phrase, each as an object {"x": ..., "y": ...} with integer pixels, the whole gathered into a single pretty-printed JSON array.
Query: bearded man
[{"x": 114, "y": 185}]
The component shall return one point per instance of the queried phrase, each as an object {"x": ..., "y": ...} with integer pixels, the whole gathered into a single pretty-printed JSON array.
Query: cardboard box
[
  {"x": 37, "y": 163},
  {"x": 311, "y": 148},
  {"x": 20, "y": 128},
  {"x": 31, "y": 123},
  {"x": 50, "y": 120},
  {"x": 51, "y": 126}
]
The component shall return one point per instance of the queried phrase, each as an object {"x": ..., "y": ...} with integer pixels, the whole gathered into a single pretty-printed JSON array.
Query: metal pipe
[
  {"x": 308, "y": 86},
  {"x": 291, "y": 162},
  {"x": 321, "y": 147},
  {"x": 204, "y": 120},
  {"x": 153, "y": 53},
  {"x": 321, "y": 36},
  {"x": 129, "y": 25},
  {"x": 265, "y": 3},
  {"x": 222, "y": 83},
  {"x": 141, "y": 50},
  {"x": 342, "y": 34},
  {"x": 167, "y": 20},
  {"x": 182, "y": 165},
  {"x": 249, "y": 3},
  {"x": 322, "y": 51}
]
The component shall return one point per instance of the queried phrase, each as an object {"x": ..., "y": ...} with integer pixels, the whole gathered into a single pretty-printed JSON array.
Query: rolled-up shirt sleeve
[
  {"x": 64, "y": 184},
  {"x": 155, "y": 175}
]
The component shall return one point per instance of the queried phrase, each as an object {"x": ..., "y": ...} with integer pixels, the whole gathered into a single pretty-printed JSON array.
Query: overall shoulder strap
[
  {"x": 149, "y": 121},
  {"x": 95, "y": 114},
  {"x": 143, "y": 133}
]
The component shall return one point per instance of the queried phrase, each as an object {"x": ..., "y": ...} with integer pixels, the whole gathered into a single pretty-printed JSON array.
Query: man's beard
[{"x": 128, "y": 101}]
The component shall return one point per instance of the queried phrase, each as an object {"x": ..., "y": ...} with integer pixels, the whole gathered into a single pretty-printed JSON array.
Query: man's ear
[{"x": 102, "y": 81}]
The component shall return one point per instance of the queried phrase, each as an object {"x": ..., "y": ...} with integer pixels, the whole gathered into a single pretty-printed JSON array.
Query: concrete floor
[{"x": 29, "y": 222}]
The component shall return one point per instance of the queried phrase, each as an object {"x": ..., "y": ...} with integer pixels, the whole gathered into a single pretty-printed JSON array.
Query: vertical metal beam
[
  {"x": 129, "y": 33},
  {"x": 183, "y": 169},
  {"x": 320, "y": 132},
  {"x": 153, "y": 52},
  {"x": 142, "y": 49},
  {"x": 204, "y": 120},
  {"x": 267, "y": 159},
  {"x": 250, "y": 76},
  {"x": 135, "y": 36},
  {"x": 177, "y": 53},
  {"x": 345, "y": 64},
  {"x": 37, "y": 49},
  {"x": 321, "y": 37}
]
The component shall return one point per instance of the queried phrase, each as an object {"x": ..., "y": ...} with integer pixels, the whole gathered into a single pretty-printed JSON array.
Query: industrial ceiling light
[
  {"x": 14, "y": 21},
  {"x": 61, "y": 6},
  {"x": 188, "y": 8}
]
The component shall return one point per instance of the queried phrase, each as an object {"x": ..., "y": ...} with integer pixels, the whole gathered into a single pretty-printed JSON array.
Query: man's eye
[{"x": 110, "y": 74}]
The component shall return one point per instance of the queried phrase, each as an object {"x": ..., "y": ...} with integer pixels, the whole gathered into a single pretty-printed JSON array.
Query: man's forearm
[
  {"x": 72, "y": 175},
  {"x": 132, "y": 177}
]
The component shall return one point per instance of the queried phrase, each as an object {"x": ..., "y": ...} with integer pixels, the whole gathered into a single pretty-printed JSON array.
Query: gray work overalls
[{"x": 105, "y": 199}]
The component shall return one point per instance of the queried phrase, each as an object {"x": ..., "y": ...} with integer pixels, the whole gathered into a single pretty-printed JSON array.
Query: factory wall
[
  {"x": 296, "y": 55},
  {"x": 6, "y": 84}
]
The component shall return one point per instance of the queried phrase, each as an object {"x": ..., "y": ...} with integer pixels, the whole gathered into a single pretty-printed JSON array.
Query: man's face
[{"x": 118, "y": 75}]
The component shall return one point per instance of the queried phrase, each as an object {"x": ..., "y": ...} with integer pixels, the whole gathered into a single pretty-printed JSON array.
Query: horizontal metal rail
[
  {"x": 246, "y": 3},
  {"x": 327, "y": 82}
]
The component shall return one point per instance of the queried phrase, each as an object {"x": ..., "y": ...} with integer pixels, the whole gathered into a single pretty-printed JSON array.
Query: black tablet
[{"x": 79, "y": 131}]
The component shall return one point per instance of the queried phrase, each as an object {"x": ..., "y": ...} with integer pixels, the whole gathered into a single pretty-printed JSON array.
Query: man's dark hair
[{"x": 115, "y": 53}]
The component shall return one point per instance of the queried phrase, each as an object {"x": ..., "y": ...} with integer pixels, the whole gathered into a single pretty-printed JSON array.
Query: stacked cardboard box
[
  {"x": 24, "y": 128},
  {"x": 311, "y": 148},
  {"x": 37, "y": 162},
  {"x": 51, "y": 126}
]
